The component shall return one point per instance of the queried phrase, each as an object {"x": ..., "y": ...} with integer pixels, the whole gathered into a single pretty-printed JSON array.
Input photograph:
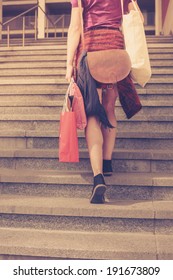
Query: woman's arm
[
  {"x": 131, "y": 7},
  {"x": 73, "y": 38}
]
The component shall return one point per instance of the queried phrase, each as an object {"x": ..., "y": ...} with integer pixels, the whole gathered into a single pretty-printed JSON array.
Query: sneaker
[{"x": 99, "y": 190}]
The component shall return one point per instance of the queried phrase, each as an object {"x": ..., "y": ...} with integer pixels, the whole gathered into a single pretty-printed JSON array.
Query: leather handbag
[
  {"x": 106, "y": 66},
  {"x": 136, "y": 45}
]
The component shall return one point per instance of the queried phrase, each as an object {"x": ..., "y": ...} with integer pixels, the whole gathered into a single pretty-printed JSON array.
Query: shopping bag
[
  {"x": 68, "y": 140},
  {"x": 136, "y": 45}
]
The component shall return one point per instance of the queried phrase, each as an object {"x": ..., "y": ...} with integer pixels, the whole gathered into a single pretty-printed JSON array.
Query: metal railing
[
  {"x": 7, "y": 23},
  {"x": 23, "y": 16}
]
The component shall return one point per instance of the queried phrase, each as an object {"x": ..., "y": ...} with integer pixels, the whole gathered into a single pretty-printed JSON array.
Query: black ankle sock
[
  {"x": 99, "y": 179},
  {"x": 107, "y": 165}
]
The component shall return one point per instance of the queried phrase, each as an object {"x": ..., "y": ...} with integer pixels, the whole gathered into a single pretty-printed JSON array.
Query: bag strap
[
  {"x": 81, "y": 23},
  {"x": 122, "y": 7},
  {"x": 135, "y": 5}
]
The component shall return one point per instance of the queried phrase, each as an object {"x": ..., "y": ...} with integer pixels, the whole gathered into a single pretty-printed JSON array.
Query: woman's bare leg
[
  {"x": 109, "y": 134},
  {"x": 94, "y": 140}
]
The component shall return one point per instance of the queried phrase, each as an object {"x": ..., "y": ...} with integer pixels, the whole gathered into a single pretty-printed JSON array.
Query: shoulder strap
[
  {"x": 122, "y": 7},
  {"x": 134, "y": 4}
]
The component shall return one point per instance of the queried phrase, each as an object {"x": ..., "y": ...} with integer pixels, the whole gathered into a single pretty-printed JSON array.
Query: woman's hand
[
  {"x": 131, "y": 7},
  {"x": 69, "y": 72}
]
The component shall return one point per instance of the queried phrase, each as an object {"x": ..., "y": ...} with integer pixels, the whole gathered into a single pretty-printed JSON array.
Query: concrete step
[
  {"x": 15, "y": 49},
  {"x": 48, "y": 139},
  {"x": 32, "y": 73},
  {"x": 161, "y": 63},
  {"x": 36, "y": 90},
  {"x": 166, "y": 83},
  {"x": 160, "y": 50},
  {"x": 55, "y": 107},
  {"x": 60, "y": 71},
  {"x": 84, "y": 245},
  {"x": 76, "y": 184},
  {"x": 33, "y": 139},
  {"x": 17, "y": 45},
  {"x": 34, "y": 52},
  {"x": 38, "y": 93},
  {"x": 130, "y": 161},
  {"x": 33, "y": 43},
  {"x": 77, "y": 214},
  {"x": 162, "y": 70},
  {"x": 62, "y": 64},
  {"x": 53, "y": 91},
  {"x": 59, "y": 40},
  {"x": 32, "y": 58},
  {"x": 62, "y": 49},
  {"x": 61, "y": 56},
  {"x": 163, "y": 56},
  {"x": 33, "y": 65},
  {"x": 62, "y": 44},
  {"x": 140, "y": 122}
]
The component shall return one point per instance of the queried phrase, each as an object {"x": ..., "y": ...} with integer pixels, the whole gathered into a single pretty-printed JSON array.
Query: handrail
[
  {"x": 20, "y": 15},
  {"x": 26, "y": 12},
  {"x": 23, "y": 15},
  {"x": 58, "y": 19}
]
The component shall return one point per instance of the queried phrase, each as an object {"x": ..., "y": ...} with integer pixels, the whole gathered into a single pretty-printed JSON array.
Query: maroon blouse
[{"x": 106, "y": 13}]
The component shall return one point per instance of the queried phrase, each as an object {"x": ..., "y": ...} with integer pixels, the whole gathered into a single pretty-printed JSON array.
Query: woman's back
[{"x": 106, "y": 13}]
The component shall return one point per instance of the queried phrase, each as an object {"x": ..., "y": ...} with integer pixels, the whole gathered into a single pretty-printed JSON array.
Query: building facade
[{"x": 49, "y": 18}]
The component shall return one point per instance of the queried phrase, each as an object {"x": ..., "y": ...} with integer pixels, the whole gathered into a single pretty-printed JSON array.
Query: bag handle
[
  {"x": 81, "y": 23},
  {"x": 65, "y": 107}
]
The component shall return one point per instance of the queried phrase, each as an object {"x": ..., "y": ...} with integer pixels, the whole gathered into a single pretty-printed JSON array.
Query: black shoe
[
  {"x": 107, "y": 167},
  {"x": 98, "y": 191}
]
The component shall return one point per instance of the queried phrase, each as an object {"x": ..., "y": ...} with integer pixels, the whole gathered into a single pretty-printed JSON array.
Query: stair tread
[
  {"x": 118, "y": 153},
  {"x": 56, "y": 117},
  {"x": 85, "y": 245},
  {"x": 80, "y": 207},
  {"x": 84, "y": 178},
  {"x": 59, "y": 103},
  {"x": 53, "y": 133},
  {"x": 56, "y": 81}
]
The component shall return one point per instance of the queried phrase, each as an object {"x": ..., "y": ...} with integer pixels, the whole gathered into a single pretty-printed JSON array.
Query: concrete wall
[
  {"x": 165, "y": 4},
  {"x": 168, "y": 20}
]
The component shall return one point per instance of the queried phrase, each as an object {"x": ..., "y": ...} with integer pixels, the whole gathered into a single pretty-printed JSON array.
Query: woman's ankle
[
  {"x": 107, "y": 167},
  {"x": 99, "y": 179}
]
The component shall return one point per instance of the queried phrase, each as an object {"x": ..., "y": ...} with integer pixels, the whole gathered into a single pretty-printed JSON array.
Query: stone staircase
[{"x": 44, "y": 205}]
